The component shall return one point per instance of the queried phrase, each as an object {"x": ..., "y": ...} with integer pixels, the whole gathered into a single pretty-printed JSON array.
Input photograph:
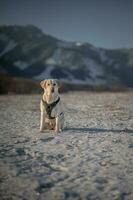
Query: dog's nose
[{"x": 52, "y": 90}]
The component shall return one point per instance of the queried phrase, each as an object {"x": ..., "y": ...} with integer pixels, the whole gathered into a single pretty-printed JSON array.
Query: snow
[
  {"x": 86, "y": 81},
  {"x": 95, "y": 69},
  {"x": 50, "y": 61},
  {"x": 21, "y": 65},
  {"x": 59, "y": 56},
  {"x": 79, "y": 43},
  {"x": 9, "y": 47},
  {"x": 70, "y": 77},
  {"x": 55, "y": 59},
  {"x": 103, "y": 55},
  {"x": 45, "y": 74},
  {"x": 101, "y": 52}
]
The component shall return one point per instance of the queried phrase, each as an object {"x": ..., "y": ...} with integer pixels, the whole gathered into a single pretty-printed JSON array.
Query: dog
[{"x": 52, "y": 116}]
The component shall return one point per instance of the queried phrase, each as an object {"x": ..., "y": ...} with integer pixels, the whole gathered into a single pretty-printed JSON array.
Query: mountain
[{"x": 26, "y": 52}]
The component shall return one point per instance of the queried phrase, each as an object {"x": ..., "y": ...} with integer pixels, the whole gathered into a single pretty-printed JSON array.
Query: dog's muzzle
[{"x": 52, "y": 90}]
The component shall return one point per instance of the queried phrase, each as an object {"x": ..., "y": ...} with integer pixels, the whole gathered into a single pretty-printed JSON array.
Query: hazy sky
[{"x": 103, "y": 23}]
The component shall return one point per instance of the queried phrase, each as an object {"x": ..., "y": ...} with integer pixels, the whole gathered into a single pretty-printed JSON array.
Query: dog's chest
[{"x": 50, "y": 112}]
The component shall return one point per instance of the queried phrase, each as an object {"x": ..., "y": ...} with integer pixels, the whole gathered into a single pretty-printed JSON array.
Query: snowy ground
[{"x": 92, "y": 159}]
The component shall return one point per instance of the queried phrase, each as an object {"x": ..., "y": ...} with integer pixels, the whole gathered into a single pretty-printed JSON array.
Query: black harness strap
[{"x": 49, "y": 107}]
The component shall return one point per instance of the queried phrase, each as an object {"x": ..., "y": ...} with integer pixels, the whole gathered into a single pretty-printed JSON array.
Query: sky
[{"x": 103, "y": 23}]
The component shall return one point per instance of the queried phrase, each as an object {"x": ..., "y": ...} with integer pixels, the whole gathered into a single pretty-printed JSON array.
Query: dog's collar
[{"x": 49, "y": 107}]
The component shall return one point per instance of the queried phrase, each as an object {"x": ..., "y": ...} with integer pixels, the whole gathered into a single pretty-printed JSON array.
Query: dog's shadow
[{"x": 97, "y": 130}]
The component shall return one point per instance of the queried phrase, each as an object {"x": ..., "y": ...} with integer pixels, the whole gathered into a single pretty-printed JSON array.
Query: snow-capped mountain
[{"x": 25, "y": 51}]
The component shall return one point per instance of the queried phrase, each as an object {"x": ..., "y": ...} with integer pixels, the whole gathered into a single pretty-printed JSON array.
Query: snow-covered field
[{"x": 92, "y": 159}]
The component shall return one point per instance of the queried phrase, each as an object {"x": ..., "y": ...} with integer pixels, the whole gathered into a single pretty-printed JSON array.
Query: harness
[{"x": 49, "y": 107}]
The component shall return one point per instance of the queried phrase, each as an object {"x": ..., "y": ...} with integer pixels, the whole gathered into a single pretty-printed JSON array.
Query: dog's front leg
[
  {"x": 42, "y": 121},
  {"x": 57, "y": 124}
]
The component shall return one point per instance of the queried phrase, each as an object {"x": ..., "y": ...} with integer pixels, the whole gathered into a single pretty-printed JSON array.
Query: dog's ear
[
  {"x": 58, "y": 83},
  {"x": 43, "y": 84}
]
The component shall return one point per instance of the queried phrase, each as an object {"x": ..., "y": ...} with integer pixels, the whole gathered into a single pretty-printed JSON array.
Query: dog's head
[{"x": 50, "y": 86}]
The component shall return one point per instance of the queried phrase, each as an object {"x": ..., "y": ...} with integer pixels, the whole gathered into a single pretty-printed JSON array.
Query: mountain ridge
[{"x": 27, "y": 52}]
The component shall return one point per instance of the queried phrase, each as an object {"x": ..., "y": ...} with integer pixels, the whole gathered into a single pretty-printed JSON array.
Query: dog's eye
[
  {"x": 54, "y": 84},
  {"x": 48, "y": 84}
]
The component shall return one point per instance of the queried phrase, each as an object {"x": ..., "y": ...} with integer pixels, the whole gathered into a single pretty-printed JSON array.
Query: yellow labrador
[{"x": 52, "y": 116}]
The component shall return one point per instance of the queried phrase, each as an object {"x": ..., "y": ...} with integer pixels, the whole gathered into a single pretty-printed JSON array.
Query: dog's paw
[
  {"x": 56, "y": 131},
  {"x": 60, "y": 130}
]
